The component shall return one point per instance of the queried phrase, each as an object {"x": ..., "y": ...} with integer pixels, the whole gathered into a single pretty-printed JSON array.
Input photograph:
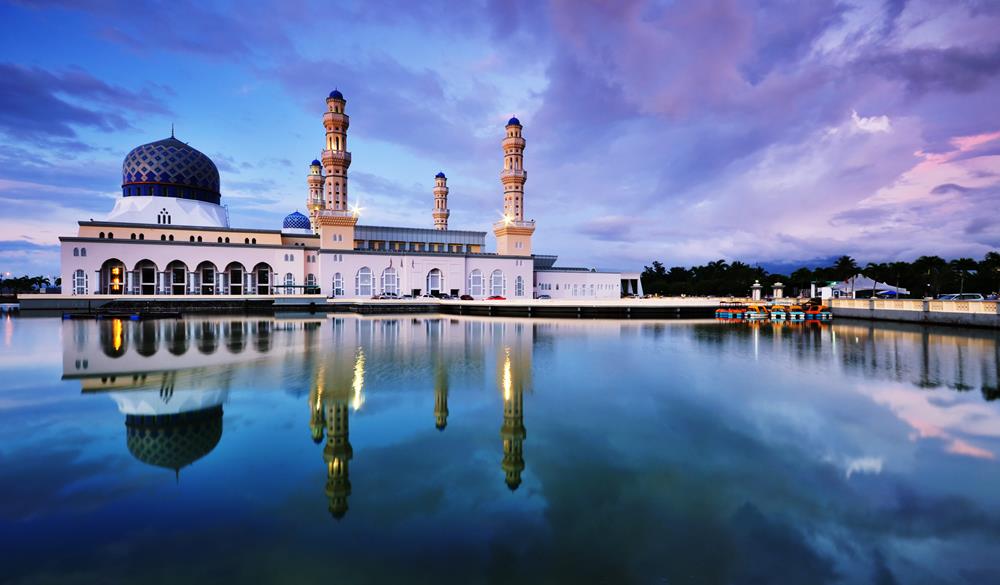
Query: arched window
[
  {"x": 220, "y": 239},
  {"x": 289, "y": 283},
  {"x": 363, "y": 282},
  {"x": 111, "y": 235},
  {"x": 390, "y": 282},
  {"x": 142, "y": 236},
  {"x": 199, "y": 238},
  {"x": 338, "y": 285},
  {"x": 519, "y": 287},
  {"x": 83, "y": 251},
  {"x": 311, "y": 284},
  {"x": 246, "y": 240},
  {"x": 476, "y": 283},
  {"x": 101, "y": 235},
  {"x": 192, "y": 238},
  {"x": 133, "y": 235},
  {"x": 253, "y": 241},
  {"x": 227, "y": 239},
  {"x": 76, "y": 251},
  {"x": 163, "y": 237},
  {"x": 79, "y": 282},
  {"x": 497, "y": 284},
  {"x": 435, "y": 281}
]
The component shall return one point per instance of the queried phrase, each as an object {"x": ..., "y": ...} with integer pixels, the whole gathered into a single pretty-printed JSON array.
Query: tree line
[
  {"x": 925, "y": 276},
  {"x": 24, "y": 284}
]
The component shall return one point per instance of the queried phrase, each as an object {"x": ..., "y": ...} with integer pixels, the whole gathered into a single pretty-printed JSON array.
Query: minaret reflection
[
  {"x": 337, "y": 390},
  {"x": 514, "y": 377},
  {"x": 440, "y": 395}
]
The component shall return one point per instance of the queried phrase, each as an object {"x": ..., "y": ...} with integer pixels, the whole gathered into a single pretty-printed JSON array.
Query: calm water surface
[{"x": 461, "y": 450}]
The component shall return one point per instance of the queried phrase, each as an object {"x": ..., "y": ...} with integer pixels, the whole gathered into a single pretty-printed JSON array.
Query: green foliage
[
  {"x": 925, "y": 276},
  {"x": 23, "y": 284}
]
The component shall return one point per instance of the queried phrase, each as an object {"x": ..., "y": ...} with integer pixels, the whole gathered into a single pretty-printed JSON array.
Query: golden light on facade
[
  {"x": 506, "y": 375},
  {"x": 359, "y": 380}
]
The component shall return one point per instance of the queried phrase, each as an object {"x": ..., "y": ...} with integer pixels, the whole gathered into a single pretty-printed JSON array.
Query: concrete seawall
[{"x": 959, "y": 313}]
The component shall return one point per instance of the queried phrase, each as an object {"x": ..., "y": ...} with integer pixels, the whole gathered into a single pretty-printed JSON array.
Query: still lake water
[{"x": 308, "y": 449}]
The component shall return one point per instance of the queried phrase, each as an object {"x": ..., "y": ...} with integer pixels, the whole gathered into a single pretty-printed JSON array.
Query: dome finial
[{"x": 171, "y": 129}]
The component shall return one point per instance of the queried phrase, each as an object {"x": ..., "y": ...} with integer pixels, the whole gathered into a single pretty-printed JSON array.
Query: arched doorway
[
  {"x": 262, "y": 276},
  {"x": 435, "y": 282},
  {"x": 112, "y": 277},
  {"x": 177, "y": 275},
  {"x": 235, "y": 274},
  {"x": 206, "y": 276},
  {"x": 145, "y": 277}
]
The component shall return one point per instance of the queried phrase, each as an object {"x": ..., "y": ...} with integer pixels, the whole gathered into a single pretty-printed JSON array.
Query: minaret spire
[
  {"x": 441, "y": 211},
  {"x": 513, "y": 232},
  {"x": 336, "y": 157}
]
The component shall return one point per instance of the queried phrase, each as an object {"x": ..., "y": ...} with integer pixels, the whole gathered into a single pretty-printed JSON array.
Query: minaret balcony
[
  {"x": 337, "y": 156},
  {"x": 520, "y": 173},
  {"x": 513, "y": 142},
  {"x": 333, "y": 119},
  {"x": 514, "y": 223}
]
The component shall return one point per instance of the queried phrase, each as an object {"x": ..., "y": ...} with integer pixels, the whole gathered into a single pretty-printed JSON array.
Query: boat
[
  {"x": 779, "y": 312},
  {"x": 818, "y": 313},
  {"x": 729, "y": 310},
  {"x": 757, "y": 312},
  {"x": 795, "y": 313}
]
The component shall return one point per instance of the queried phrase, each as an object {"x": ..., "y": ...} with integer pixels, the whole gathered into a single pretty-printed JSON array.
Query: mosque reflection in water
[
  {"x": 173, "y": 404},
  {"x": 172, "y": 378}
]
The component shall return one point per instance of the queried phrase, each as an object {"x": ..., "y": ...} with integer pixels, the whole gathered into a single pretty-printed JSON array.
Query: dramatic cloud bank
[{"x": 779, "y": 131}]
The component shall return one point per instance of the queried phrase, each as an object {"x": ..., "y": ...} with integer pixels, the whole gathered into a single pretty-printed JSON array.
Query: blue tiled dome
[
  {"x": 513, "y": 122},
  {"x": 335, "y": 94},
  {"x": 440, "y": 175},
  {"x": 170, "y": 168},
  {"x": 297, "y": 221}
]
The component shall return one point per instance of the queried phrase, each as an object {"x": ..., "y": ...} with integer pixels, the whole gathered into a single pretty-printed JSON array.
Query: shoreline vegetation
[{"x": 927, "y": 276}]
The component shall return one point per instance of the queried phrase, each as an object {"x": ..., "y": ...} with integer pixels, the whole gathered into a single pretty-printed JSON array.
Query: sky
[{"x": 682, "y": 131}]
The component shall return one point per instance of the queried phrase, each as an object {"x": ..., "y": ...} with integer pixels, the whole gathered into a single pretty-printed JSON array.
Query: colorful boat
[
  {"x": 795, "y": 313},
  {"x": 730, "y": 311},
  {"x": 779, "y": 312},
  {"x": 757, "y": 312},
  {"x": 818, "y": 313}
]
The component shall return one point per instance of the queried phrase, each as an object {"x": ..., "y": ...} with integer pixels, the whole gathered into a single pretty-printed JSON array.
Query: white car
[{"x": 962, "y": 297}]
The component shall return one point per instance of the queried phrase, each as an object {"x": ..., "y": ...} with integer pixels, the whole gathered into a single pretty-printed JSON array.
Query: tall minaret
[
  {"x": 513, "y": 232},
  {"x": 336, "y": 158},
  {"x": 441, "y": 211},
  {"x": 315, "y": 201},
  {"x": 513, "y": 176}
]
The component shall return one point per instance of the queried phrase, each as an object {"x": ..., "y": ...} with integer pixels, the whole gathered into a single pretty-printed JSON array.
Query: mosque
[{"x": 169, "y": 234}]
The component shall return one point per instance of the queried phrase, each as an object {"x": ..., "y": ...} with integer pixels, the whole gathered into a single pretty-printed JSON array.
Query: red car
[
  {"x": 465, "y": 298},
  {"x": 496, "y": 298}
]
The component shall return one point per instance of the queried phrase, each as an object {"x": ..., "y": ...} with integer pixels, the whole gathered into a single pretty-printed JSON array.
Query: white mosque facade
[{"x": 169, "y": 234}]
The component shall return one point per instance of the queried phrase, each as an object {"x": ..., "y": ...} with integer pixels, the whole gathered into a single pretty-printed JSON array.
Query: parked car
[
  {"x": 962, "y": 297},
  {"x": 496, "y": 298},
  {"x": 543, "y": 297},
  {"x": 466, "y": 298},
  {"x": 406, "y": 297},
  {"x": 445, "y": 297}
]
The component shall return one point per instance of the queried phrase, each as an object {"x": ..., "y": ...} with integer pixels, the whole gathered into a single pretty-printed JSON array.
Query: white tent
[{"x": 861, "y": 283}]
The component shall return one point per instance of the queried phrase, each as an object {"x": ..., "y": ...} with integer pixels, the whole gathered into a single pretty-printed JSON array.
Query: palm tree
[
  {"x": 962, "y": 266},
  {"x": 845, "y": 267}
]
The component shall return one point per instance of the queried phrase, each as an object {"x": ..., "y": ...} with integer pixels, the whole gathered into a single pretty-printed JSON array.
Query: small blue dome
[
  {"x": 335, "y": 94},
  {"x": 513, "y": 122},
  {"x": 314, "y": 163},
  {"x": 440, "y": 175},
  {"x": 297, "y": 221}
]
